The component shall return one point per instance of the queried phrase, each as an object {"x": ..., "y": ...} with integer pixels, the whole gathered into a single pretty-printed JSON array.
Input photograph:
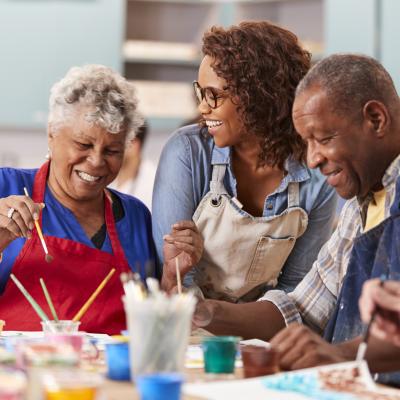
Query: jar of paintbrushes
[{"x": 159, "y": 327}]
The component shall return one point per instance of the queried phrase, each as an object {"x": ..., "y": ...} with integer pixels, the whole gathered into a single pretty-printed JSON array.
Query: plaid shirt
[{"x": 314, "y": 299}]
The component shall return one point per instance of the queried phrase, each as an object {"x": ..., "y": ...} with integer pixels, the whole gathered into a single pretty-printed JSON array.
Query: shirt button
[
  {"x": 341, "y": 306},
  {"x": 270, "y": 206}
]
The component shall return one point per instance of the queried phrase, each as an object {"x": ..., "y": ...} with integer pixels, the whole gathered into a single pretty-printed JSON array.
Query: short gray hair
[
  {"x": 109, "y": 99},
  {"x": 350, "y": 81}
]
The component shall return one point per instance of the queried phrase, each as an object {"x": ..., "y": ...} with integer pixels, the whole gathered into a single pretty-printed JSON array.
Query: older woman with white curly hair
[{"x": 88, "y": 229}]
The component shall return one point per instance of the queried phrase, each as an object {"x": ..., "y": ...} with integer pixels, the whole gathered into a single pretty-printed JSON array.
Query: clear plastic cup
[
  {"x": 12, "y": 384},
  {"x": 62, "y": 326},
  {"x": 68, "y": 384},
  {"x": 73, "y": 339},
  {"x": 159, "y": 330}
]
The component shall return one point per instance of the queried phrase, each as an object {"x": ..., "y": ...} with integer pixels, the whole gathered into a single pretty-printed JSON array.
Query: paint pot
[
  {"x": 259, "y": 361},
  {"x": 71, "y": 385},
  {"x": 159, "y": 386},
  {"x": 75, "y": 340},
  {"x": 62, "y": 326},
  {"x": 220, "y": 353},
  {"x": 117, "y": 360},
  {"x": 12, "y": 384}
]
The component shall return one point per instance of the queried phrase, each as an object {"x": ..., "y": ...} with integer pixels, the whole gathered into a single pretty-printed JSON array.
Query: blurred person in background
[
  {"x": 88, "y": 228},
  {"x": 136, "y": 176},
  {"x": 237, "y": 183}
]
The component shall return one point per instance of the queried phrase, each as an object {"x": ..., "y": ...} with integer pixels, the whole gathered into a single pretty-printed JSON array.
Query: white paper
[
  {"x": 252, "y": 389},
  {"x": 339, "y": 381}
]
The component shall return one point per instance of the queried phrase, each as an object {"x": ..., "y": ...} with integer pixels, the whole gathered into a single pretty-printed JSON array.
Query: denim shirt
[{"x": 183, "y": 178}]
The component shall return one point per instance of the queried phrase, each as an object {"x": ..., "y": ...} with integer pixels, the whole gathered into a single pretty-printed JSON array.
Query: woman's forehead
[
  {"x": 93, "y": 132},
  {"x": 207, "y": 76}
]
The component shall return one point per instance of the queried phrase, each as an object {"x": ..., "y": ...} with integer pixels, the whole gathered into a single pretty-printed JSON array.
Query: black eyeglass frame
[{"x": 216, "y": 95}]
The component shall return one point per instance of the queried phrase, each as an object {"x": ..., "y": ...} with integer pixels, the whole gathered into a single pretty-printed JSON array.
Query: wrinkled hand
[
  {"x": 299, "y": 347},
  {"x": 385, "y": 299},
  {"x": 185, "y": 243},
  {"x": 22, "y": 219}
]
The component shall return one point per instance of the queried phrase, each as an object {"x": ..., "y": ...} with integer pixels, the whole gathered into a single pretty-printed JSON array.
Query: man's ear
[{"x": 376, "y": 115}]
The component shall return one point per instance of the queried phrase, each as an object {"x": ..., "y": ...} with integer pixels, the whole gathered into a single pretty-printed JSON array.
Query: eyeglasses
[{"x": 214, "y": 97}]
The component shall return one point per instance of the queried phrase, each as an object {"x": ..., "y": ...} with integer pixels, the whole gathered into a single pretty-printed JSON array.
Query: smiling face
[
  {"x": 343, "y": 147},
  {"x": 85, "y": 158},
  {"x": 223, "y": 122}
]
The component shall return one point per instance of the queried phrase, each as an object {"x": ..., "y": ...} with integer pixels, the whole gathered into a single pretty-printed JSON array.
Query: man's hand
[
  {"x": 299, "y": 347},
  {"x": 385, "y": 299},
  {"x": 185, "y": 243},
  {"x": 203, "y": 313}
]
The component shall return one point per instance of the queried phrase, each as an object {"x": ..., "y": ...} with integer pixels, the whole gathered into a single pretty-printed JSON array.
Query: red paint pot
[{"x": 259, "y": 361}]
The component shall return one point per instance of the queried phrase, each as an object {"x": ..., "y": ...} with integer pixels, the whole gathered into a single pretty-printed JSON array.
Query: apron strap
[
  {"x": 116, "y": 246},
  {"x": 293, "y": 194},
  {"x": 217, "y": 180}
]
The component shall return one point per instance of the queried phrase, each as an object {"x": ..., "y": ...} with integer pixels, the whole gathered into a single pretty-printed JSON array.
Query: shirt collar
[
  {"x": 295, "y": 172},
  {"x": 392, "y": 172},
  {"x": 220, "y": 155},
  {"x": 390, "y": 176}
]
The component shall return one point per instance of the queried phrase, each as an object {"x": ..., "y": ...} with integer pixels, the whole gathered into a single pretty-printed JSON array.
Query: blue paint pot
[
  {"x": 117, "y": 359},
  {"x": 159, "y": 386}
]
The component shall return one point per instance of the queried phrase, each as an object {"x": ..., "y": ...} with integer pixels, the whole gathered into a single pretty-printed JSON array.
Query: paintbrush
[
  {"x": 362, "y": 347},
  {"x": 30, "y": 299},
  {"x": 91, "y": 299},
  {"x": 178, "y": 275},
  {"x": 48, "y": 298},
  {"x": 48, "y": 257}
]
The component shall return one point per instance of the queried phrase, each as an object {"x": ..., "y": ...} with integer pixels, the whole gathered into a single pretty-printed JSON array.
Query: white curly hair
[{"x": 108, "y": 97}]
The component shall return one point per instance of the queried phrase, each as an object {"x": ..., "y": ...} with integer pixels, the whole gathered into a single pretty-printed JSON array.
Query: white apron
[{"x": 242, "y": 254}]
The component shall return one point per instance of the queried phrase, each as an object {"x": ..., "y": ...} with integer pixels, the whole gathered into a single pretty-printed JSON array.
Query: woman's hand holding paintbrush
[
  {"x": 381, "y": 301},
  {"x": 48, "y": 257},
  {"x": 17, "y": 218},
  {"x": 182, "y": 249}
]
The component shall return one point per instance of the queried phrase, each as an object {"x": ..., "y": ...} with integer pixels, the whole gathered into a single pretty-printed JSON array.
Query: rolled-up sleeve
[
  {"x": 314, "y": 298},
  {"x": 311, "y": 302},
  {"x": 173, "y": 198},
  {"x": 321, "y": 215}
]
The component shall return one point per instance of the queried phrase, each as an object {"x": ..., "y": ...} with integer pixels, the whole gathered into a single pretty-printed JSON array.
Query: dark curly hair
[{"x": 262, "y": 65}]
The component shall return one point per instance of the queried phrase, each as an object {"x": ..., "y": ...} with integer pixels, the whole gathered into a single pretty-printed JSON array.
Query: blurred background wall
[{"x": 157, "y": 45}]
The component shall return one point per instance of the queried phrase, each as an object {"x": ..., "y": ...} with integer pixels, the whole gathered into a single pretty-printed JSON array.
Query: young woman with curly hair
[{"x": 258, "y": 216}]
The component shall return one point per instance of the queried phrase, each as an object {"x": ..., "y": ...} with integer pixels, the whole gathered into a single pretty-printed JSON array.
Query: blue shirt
[
  {"x": 183, "y": 178},
  {"x": 134, "y": 229}
]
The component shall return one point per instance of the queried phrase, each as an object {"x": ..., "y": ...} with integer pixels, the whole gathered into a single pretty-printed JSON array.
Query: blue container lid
[{"x": 160, "y": 386}]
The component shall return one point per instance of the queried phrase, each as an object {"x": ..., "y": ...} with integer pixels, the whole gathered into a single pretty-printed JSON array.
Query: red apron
[{"x": 71, "y": 278}]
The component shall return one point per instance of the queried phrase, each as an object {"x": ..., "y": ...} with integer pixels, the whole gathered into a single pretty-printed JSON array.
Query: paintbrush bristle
[{"x": 48, "y": 258}]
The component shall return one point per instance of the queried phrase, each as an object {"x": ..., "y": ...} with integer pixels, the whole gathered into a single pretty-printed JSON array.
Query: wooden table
[{"x": 114, "y": 390}]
